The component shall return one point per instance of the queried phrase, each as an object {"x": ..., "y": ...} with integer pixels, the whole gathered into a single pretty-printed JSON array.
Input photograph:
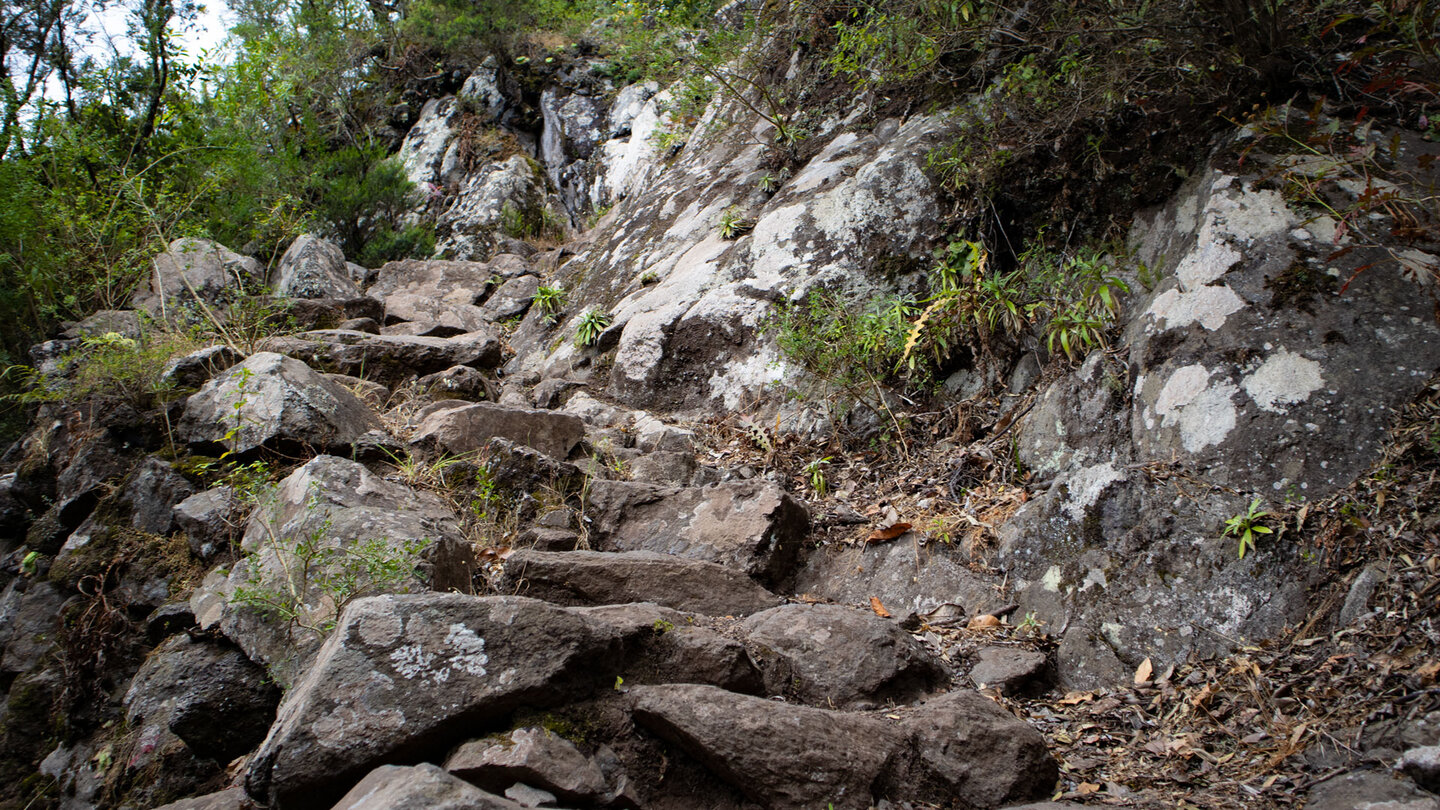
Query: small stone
[{"x": 1422, "y": 765}]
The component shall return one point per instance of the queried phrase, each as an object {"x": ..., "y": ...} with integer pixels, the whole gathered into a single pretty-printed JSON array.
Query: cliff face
[{"x": 550, "y": 509}]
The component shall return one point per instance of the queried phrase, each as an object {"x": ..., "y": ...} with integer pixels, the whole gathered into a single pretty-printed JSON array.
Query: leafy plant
[
  {"x": 815, "y": 474},
  {"x": 590, "y": 326},
  {"x": 1246, "y": 526},
  {"x": 550, "y": 300},
  {"x": 732, "y": 223}
]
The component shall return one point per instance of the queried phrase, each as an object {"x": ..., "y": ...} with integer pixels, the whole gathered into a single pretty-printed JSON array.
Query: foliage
[
  {"x": 815, "y": 476},
  {"x": 531, "y": 222},
  {"x": 315, "y": 563},
  {"x": 549, "y": 300},
  {"x": 1246, "y": 525},
  {"x": 590, "y": 326},
  {"x": 732, "y": 223},
  {"x": 107, "y": 368}
]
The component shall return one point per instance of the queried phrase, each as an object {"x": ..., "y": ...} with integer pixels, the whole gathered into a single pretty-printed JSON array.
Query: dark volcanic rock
[
  {"x": 1012, "y": 671},
  {"x": 467, "y": 428},
  {"x": 314, "y": 268},
  {"x": 410, "y": 676},
  {"x": 833, "y": 655},
  {"x": 751, "y": 526},
  {"x": 530, "y": 755},
  {"x": 605, "y": 578},
  {"x": 388, "y": 359},
  {"x": 667, "y": 646},
  {"x": 274, "y": 401},
  {"x": 152, "y": 494}
]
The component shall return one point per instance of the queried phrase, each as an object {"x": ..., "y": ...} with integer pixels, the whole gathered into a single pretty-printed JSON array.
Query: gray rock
[
  {"x": 314, "y": 268},
  {"x": 410, "y": 675},
  {"x": 752, "y": 526},
  {"x": 152, "y": 493},
  {"x": 422, "y": 787},
  {"x": 1365, "y": 790},
  {"x": 527, "y": 796},
  {"x": 602, "y": 578},
  {"x": 627, "y": 105},
  {"x": 778, "y": 755},
  {"x": 423, "y": 150},
  {"x": 456, "y": 382},
  {"x": 369, "y": 326},
  {"x": 211, "y": 697},
  {"x": 1422, "y": 765},
  {"x": 29, "y": 624},
  {"x": 904, "y": 576},
  {"x": 210, "y": 521},
  {"x": 388, "y": 359},
  {"x": 433, "y": 278},
  {"x": 333, "y": 504},
  {"x": 837, "y": 656},
  {"x": 123, "y": 322},
  {"x": 965, "y": 748},
  {"x": 462, "y": 430},
  {"x": 667, "y": 646},
  {"x": 542, "y": 539},
  {"x": 198, "y": 367},
  {"x": 196, "y": 272},
  {"x": 275, "y": 401},
  {"x": 512, "y": 299},
  {"x": 228, "y": 799},
  {"x": 371, "y": 393},
  {"x": 473, "y": 220},
  {"x": 1011, "y": 670},
  {"x": 530, "y": 755},
  {"x": 425, "y": 313}
]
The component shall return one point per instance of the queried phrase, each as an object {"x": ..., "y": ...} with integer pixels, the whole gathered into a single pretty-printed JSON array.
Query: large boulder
[
  {"x": 320, "y": 540},
  {"x": 152, "y": 493},
  {"x": 534, "y": 756},
  {"x": 831, "y": 655},
  {"x": 663, "y": 645},
  {"x": 407, "y": 677},
  {"x": 605, "y": 578},
  {"x": 468, "y": 427},
  {"x": 278, "y": 402},
  {"x": 752, "y": 526},
  {"x": 421, "y": 787},
  {"x": 195, "y": 274},
  {"x": 314, "y": 268}
]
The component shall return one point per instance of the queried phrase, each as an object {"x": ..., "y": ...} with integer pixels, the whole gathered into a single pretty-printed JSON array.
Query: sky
[{"x": 109, "y": 29}]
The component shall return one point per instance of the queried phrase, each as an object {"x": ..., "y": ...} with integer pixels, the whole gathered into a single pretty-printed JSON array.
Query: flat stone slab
[{"x": 615, "y": 578}]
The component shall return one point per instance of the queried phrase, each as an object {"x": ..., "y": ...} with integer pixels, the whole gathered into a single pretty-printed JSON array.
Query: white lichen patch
[
  {"x": 1087, "y": 485},
  {"x": 1204, "y": 264},
  {"x": 379, "y": 628},
  {"x": 337, "y": 729},
  {"x": 468, "y": 650},
  {"x": 1053, "y": 579},
  {"x": 1203, "y": 413},
  {"x": 1285, "y": 378},
  {"x": 1245, "y": 215},
  {"x": 411, "y": 661},
  {"x": 740, "y": 379},
  {"x": 1207, "y": 306}
]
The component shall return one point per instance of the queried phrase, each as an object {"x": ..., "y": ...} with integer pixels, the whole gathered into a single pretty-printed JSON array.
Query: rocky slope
[{"x": 502, "y": 567}]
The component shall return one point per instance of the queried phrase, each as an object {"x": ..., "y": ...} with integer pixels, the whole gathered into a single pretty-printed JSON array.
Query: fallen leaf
[
  {"x": 879, "y": 608},
  {"x": 1086, "y": 788},
  {"x": 1428, "y": 672},
  {"x": 1143, "y": 673},
  {"x": 1073, "y": 698},
  {"x": 984, "y": 622},
  {"x": 888, "y": 533}
]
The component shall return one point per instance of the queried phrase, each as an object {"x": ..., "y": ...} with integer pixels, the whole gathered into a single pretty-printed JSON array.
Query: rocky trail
[{"x": 431, "y": 536}]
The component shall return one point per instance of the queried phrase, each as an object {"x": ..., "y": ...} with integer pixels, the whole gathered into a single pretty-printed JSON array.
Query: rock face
[
  {"x": 388, "y": 359},
  {"x": 751, "y": 526},
  {"x": 336, "y": 508},
  {"x": 275, "y": 401},
  {"x": 403, "y": 676},
  {"x": 533, "y": 756},
  {"x": 314, "y": 268},
  {"x": 1249, "y": 370},
  {"x": 829, "y": 655},
  {"x": 603, "y": 578}
]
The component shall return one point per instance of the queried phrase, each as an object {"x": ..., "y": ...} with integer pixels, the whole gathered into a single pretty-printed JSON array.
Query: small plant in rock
[
  {"x": 649, "y": 278},
  {"x": 815, "y": 474},
  {"x": 550, "y": 300},
  {"x": 733, "y": 224},
  {"x": 1246, "y": 526},
  {"x": 590, "y": 327}
]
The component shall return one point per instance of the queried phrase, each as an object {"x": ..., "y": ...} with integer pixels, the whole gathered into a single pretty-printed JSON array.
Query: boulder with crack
[{"x": 609, "y": 578}]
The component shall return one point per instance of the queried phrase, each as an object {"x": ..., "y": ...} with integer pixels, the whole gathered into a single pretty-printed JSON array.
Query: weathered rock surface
[
  {"x": 153, "y": 490},
  {"x": 533, "y": 756},
  {"x": 314, "y": 268},
  {"x": 830, "y": 655},
  {"x": 905, "y": 577},
  {"x": 1010, "y": 670},
  {"x": 197, "y": 273},
  {"x": 1366, "y": 790},
  {"x": 29, "y": 624},
  {"x": 778, "y": 755},
  {"x": 198, "y": 367},
  {"x": 751, "y": 526},
  {"x": 668, "y": 646},
  {"x": 275, "y": 401},
  {"x": 410, "y": 676},
  {"x": 467, "y": 428},
  {"x": 388, "y": 359},
  {"x": 211, "y": 697},
  {"x": 606, "y": 578},
  {"x": 422, "y": 787},
  {"x": 334, "y": 505},
  {"x": 210, "y": 520}
]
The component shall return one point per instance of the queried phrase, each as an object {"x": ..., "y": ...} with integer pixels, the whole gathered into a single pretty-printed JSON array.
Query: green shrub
[{"x": 590, "y": 326}]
